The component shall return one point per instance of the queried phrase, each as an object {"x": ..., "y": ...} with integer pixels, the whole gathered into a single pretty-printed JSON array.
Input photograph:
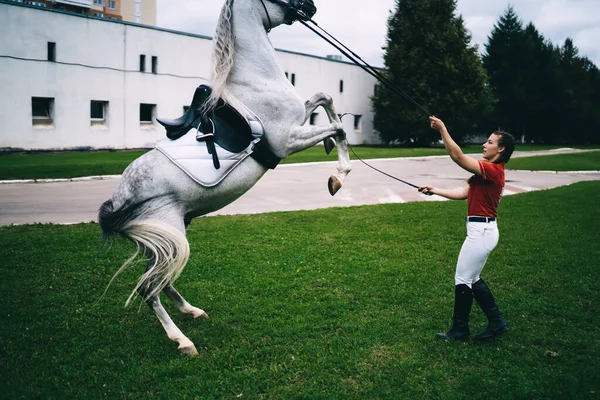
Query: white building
[{"x": 71, "y": 81}]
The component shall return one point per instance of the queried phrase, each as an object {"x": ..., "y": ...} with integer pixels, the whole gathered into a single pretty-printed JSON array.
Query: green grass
[
  {"x": 65, "y": 165},
  {"x": 77, "y": 164},
  {"x": 327, "y": 304},
  {"x": 560, "y": 162}
]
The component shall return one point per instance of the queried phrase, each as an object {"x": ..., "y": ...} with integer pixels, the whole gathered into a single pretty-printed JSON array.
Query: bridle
[{"x": 301, "y": 10}]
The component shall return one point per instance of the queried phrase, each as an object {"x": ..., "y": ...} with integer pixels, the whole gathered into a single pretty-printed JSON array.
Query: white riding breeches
[{"x": 482, "y": 238}]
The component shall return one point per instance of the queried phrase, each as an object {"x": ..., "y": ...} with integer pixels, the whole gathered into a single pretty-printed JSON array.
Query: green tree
[
  {"x": 429, "y": 55},
  {"x": 544, "y": 93},
  {"x": 506, "y": 60},
  {"x": 580, "y": 114},
  {"x": 539, "y": 63}
]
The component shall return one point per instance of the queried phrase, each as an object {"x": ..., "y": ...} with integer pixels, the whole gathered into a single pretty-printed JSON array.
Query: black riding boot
[
  {"x": 496, "y": 324},
  {"x": 463, "y": 299}
]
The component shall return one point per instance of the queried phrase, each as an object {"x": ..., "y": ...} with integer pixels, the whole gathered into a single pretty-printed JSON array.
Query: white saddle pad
[{"x": 193, "y": 158}]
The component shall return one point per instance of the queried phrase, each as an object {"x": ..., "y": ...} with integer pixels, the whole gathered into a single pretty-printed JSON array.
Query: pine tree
[
  {"x": 545, "y": 93},
  {"x": 506, "y": 60},
  {"x": 429, "y": 56}
]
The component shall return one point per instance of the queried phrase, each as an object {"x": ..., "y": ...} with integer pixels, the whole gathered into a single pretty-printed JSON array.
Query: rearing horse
[{"x": 156, "y": 200}]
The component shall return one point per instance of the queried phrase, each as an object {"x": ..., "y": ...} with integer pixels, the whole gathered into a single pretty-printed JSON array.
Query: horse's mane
[{"x": 222, "y": 60}]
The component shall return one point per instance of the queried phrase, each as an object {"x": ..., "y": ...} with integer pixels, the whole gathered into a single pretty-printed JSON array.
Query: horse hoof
[
  {"x": 188, "y": 350},
  {"x": 196, "y": 312},
  {"x": 329, "y": 145},
  {"x": 334, "y": 185},
  {"x": 201, "y": 315}
]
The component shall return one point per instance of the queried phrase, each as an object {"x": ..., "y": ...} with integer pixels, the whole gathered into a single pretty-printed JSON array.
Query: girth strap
[{"x": 263, "y": 155}]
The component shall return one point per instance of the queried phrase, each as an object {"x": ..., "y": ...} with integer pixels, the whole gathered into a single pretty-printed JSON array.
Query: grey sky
[{"x": 362, "y": 24}]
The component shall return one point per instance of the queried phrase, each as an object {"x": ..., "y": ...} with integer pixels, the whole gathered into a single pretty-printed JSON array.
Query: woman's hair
[{"x": 507, "y": 141}]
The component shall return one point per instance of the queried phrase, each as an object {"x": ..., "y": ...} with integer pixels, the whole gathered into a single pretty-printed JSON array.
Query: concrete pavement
[{"x": 288, "y": 187}]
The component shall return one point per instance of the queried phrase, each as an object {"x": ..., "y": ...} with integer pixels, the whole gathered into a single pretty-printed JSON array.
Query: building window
[
  {"x": 112, "y": 5},
  {"x": 313, "y": 118},
  {"x": 98, "y": 111},
  {"x": 147, "y": 113},
  {"x": 42, "y": 110},
  {"x": 154, "y": 64},
  {"x": 341, "y": 86},
  {"x": 99, "y": 2},
  {"x": 51, "y": 51},
  {"x": 293, "y": 79},
  {"x": 357, "y": 120},
  {"x": 142, "y": 63},
  {"x": 99, "y": 15}
]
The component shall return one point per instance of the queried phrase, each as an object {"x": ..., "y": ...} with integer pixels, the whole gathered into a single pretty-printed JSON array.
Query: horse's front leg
[
  {"x": 324, "y": 100},
  {"x": 303, "y": 137}
]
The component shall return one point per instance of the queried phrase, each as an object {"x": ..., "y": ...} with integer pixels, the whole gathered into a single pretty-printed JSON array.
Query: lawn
[
  {"x": 326, "y": 304},
  {"x": 589, "y": 161},
  {"x": 78, "y": 164}
]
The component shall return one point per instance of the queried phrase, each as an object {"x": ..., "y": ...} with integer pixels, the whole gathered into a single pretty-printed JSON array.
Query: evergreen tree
[
  {"x": 506, "y": 60},
  {"x": 545, "y": 93},
  {"x": 578, "y": 115},
  {"x": 429, "y": 55},
  {"x": 542, "y": 84}
]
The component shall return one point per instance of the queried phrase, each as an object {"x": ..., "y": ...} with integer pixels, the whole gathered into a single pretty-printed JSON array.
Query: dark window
[
  {"x": 147, "y": 113},
  {"x": 341, "y": 86},
  {"x": 98, "y": 111},
  {"x": 313, "y": 118},
  {"x": 51, "y": 51},
  {"x": 357, "y": 119},
  {"x": 42, "y": 110},
  {"x": 294, "y": 79},
  {"x": 142, "y": 63},
  {"x": 154, "y": 64}
]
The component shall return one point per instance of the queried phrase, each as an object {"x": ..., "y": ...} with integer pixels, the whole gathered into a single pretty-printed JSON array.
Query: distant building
[
  {"x": 72, "y": 81},
  {"x": 138, "y": 11}
]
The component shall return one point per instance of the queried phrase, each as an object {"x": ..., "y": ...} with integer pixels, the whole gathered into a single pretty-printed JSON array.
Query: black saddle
[{"x": 224, "y": 125}]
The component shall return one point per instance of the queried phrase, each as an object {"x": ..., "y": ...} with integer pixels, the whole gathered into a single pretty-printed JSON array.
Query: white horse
[{"x": 156, "y": 201}]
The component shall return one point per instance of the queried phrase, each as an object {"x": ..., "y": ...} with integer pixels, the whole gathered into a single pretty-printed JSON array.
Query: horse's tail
[{"x": 165, "y": 246}]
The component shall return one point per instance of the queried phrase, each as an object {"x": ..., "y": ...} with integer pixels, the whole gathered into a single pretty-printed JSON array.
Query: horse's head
[{"x": 293, "y": 10}]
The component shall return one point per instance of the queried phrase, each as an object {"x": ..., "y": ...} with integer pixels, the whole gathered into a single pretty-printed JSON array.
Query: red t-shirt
[{"x": 485, "y": 191}]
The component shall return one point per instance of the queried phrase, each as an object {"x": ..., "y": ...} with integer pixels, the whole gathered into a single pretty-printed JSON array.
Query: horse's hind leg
[
  {"x": 183, "y": 305},
  {"x": 166, "y": 247},
  {"x": 186, "y": 346},
  {"x": 178, "y": 299}
]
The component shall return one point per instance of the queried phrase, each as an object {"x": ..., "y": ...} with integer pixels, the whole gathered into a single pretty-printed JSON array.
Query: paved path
[{"x": 289, "y": 187}]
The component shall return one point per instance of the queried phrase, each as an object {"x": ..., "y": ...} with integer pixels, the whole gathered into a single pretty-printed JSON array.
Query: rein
[
  {"x": 296, "y": 7},
  {"x": 372, "y": 167},
  {"x": 268, "y": 16},
  {"x": 371, "y": 71},
  {"x": 360, "y": 62}
]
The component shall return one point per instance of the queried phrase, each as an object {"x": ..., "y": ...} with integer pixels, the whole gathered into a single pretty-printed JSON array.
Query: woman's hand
[
  {"x": 427, "y": 190},
  {"x": 437, "y": 124}
]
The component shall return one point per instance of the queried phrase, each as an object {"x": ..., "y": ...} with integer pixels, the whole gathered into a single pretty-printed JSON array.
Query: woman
[{"x": 483, "y": 193}]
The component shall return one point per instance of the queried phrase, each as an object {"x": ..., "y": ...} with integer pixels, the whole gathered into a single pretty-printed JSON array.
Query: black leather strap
[
  {"x": 481, "y": 219},
  {"x": 264, "y": 155}
]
